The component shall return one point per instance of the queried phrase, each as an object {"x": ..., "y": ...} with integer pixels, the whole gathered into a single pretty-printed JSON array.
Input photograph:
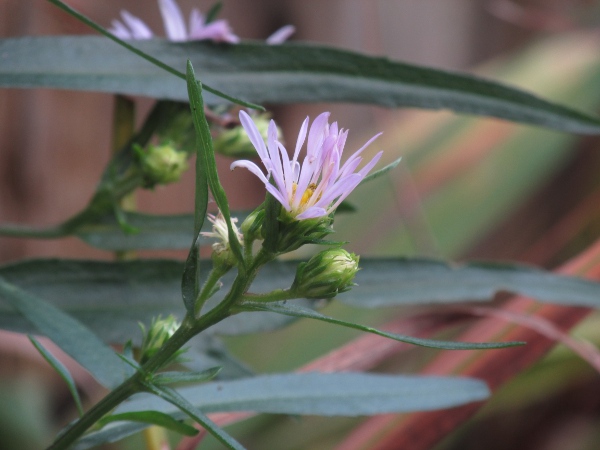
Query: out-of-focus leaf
[
  {"x": 461, "y": 177},
  {"x": 333, "y": 394},
  {"x": 185, "y": 377},
  {"x": 69, "y": 334},
  {"x": 409, "y": 281},
  {"x": 153, "y": 232},
  {"x": 151, "y": 417},
  {"x": 279, "y": 73},
  {"x": 111, "y": 297}
]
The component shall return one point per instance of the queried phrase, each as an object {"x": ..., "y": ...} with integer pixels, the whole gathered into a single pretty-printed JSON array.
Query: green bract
[{"x": 326, "y": 274}]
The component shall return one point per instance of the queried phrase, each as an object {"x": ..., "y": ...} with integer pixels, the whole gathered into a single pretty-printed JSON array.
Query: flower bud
[
  {"x": 234, "y": 142},
  {"x": 162, "y": 164},
  {"x": 159, "y": 332},
  {"x": 251, "y": 226},
  {"x": 326, "y": 274}
]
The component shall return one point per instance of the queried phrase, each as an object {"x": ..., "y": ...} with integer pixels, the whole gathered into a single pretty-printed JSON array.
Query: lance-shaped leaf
[
  {"x": 69, "y": 334},
  {"x": 409, "y": 281},
  {"x": 111, "y": 297},
  {"x": 61, "y": 370},
  {"x": 333, "y": 394},
  {"x": 275, "y": 74},
  {"x": 151, "y": 417},
  {"x": 206, "y": 155},
  {"x": 300, "y": 312}
]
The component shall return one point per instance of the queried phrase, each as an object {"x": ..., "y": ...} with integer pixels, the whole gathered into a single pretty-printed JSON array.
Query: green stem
[
  {"x": 213, "y": 278},
  {"x": 273, "y": 296},
  {"x": 134, "y": 384},
  {"x": 188, "y": 329},
  {"x": 11, "y": 230}
]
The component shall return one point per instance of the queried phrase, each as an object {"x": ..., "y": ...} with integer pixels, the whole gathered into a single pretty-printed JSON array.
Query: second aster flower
[{"x": 316, "y": 187}]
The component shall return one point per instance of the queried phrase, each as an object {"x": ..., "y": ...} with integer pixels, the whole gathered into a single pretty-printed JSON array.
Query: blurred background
[{"x": 467, "y": 188}]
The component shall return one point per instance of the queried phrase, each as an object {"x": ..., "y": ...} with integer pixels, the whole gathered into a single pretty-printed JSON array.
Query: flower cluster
[
  {"x": 132, "y": 27},
  {"x": 316, "y": 187}
]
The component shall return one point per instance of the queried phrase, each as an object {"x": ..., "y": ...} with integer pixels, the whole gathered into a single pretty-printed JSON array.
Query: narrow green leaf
[
  {"x": 332, "y": 394},
  {"x": 180, "y": 402},
  {"x": 190, "y": 280},
  {"x": 186, "y": 377},
  {"x": 207, "y": 155},
  {"x": 142, "y": 54},
  {"x": 297, "y": 311},
  {"x": 152, "y": 417},
  {"x": 381, "y": 171},
  {"x": 288, "y": 73},
  {"x": 61, "y": 370},
  {"x": 69, "y": 334},
  {"x": 409, "y": 281}
]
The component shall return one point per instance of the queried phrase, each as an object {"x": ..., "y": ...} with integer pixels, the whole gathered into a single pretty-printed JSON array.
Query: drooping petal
[
  {"x": 281, "y": 35},
  {"x": 139, "y": 30},
  {"x": 217, "y": 31},
  {"x": 173, "y": 20},
  {"x": 251, "y": 167}
]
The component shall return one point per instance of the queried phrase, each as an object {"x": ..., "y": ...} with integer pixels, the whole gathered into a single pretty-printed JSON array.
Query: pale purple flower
[
  {"x": 132, "y": 27},
  {"x": 316, "y": 187}
]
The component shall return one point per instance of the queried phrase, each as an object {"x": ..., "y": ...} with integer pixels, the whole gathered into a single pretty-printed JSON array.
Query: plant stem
[{"x": 273, "y": 296}]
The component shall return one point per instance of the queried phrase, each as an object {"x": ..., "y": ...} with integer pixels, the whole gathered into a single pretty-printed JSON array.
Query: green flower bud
[
  {"x": 162, "y": 164},
  {"x": 326, "y": 274},
  {"x": 159, "y": 332},
  {"x": 234, "y": 142},
  {"x": 251, "y": 226}
]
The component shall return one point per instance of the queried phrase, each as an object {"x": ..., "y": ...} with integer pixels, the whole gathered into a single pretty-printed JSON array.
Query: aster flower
[
  {"x": 316, "y": 187},
  {"x": 220, "y": 232},
  {"x": 132, "y": 27}
]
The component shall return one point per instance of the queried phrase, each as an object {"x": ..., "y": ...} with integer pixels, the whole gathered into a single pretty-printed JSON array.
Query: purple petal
[
  {"x": 251, "y": 167},
  {"x": 311, "y": 213},
  {"x": 217, "y": 31},
  {"x": 120, "y": 30},
  {"x": 196, "y": 22},
  {"x": 281, "y": 198},
  {"x": 281, "y": 35},
  {"x": 254, "y": 136},
  {"x": 301, "y": 139},
  {"x": 139, "y": 30},
  {"x": 360, "y": 150},
  {"x": 365, "y": 170},
  {"x": 317, "y": 133},
  {"x": 172, "y": 20}
]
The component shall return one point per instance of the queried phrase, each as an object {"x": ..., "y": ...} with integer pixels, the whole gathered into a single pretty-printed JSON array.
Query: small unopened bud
[
  {"x": 158, "y": 333},
  {"x": 326, "y": 274},
  {"x": 251, "y": 226},
  {"x": 162, "y": 164},
  {"x": 234, "y": 142}
]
